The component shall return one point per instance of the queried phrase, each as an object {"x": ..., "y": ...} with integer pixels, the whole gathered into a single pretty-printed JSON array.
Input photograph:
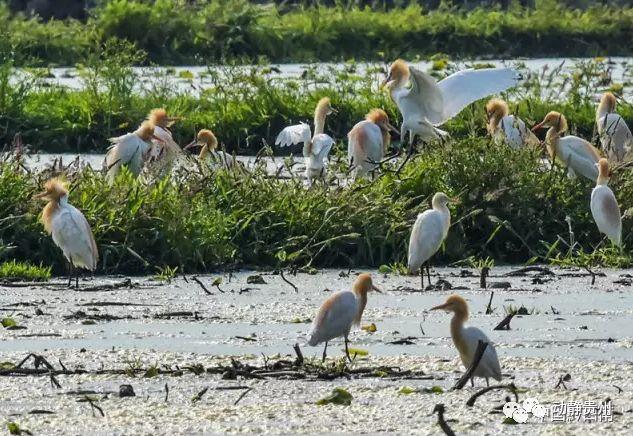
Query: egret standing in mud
[
  {"x": 316, "y": 148},
  {"x": 466, "y": 340},
  {"x": 615, "y": 135},
  {"x": 339, "y": 312},
  {"x": 209, "y": 151},
  {"x": 604, "y": 206},
  {"x": 165, "y": 151},
  {"x": 576, "y": 154},
  {"x": 428, "y": 233},
  {"x": 368, "y": 141},
  {"x": 506, "y": 128},
  {"x": 69, "y": 228},
  {"x": 426, "y": 104},
  {"x": 130, "y": 150}
]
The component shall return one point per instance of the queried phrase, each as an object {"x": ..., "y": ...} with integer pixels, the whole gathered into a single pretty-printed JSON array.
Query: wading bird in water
[
  {"x": 426, "y": 104},
  {"x": 316, "y": 148},
  {"x": 130, "y": 150},
  {"x": 209, "y": 151},
  {"x": 428, "y": 233},
  {"x": 604, "y": 206},
  {"x": 615, "y": 136},
  {"x": 506, "y": 128},
  {"x": 368, "y": 141},
  {"x": 576, "y": 154},
  {"x": 466, "y": 340},
  {"x": 165, "y": 151},
  {"x": 69, "y": 229},
  {"x": 339, "y": 312}
]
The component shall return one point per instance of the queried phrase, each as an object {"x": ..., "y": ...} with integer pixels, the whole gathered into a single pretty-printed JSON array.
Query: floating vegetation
[
  {"x": 24, "y": 271},
  {"x": 338, "y": 396}
]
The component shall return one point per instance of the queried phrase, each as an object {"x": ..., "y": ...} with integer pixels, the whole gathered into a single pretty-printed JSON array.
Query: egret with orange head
[
  {"x": 506, "y": 128},
  {"x": 164, "y": 152},
  {"x": 130, "y": 150},
  {"x": 368, "y": 141},
  {"x": 615, "y": 136},
  {"x": 604, "y": 206},
  {"x": 209, "y": 151}
]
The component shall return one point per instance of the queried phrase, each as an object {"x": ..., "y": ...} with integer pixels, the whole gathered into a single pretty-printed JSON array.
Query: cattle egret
[
  {"x": 428, "y": 233},
  {"x": 130, "y": 150},
  {"x": 506, "y": 128},
  {"x": 69, "y": 229},
  {"x": 467, "y": 338},
  {"x": 604, "y": 207},
  {"x": 576, "y": 154},
  {"x": 164, "y": 152},
  {"x": 339, "y": 312},
  {"x": 316, "y": 148},
  {"x": 427, "y": 104},
  {"x": 368, "y": 141},
  {"x": 209, "y": 151},
  {"x": 615, "y": 135}
]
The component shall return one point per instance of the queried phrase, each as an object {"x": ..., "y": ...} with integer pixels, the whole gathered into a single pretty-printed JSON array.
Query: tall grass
[{"x": 183, "y": 32}]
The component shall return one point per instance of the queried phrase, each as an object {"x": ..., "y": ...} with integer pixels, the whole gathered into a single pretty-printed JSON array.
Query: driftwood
[
  {"x": 505, "y": 322},
  {"x": 440, "y": 409},
  {"x": 511, "y": 387},
  {"x": 479, "y": 353}
]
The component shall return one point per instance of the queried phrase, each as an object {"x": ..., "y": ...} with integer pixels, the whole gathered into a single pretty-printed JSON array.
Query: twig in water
[
  {"x": 242, "y": 396},
  {"x": 199, "y": 395},
  {"x": 620, "y": 390},
  {"x": 505, "y": 322},
  {"x": 93, "y": 406},
  {"x": 204, "y": 288},
  {"x": 281, "y": 272},
  {"x": 482, "y": 278},
  {"x": 479, "y": 353},
  {"x": 54, "y": 382},
  {"x": 511, "y": 387},
  {"x": 166, "y": 393},
  {"x": 561, "y": 381},
  {"x": 489, "y": 306},
  {"x": 440, "y": 409}
]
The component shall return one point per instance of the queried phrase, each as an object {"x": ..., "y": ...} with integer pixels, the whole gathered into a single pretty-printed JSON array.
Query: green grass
[{"x": 14, "y": 270}]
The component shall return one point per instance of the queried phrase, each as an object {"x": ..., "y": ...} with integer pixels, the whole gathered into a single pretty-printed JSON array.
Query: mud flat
[{"x": 237, "y": 341}]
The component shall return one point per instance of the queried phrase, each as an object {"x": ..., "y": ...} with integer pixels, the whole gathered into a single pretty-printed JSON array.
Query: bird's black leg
[
  {"x": 472, "y": 381},
  {"x": 422, "y": 277},
  {"x": 347, "y": 349},
  {"x": 77, "y": 278},
  {"x": 487, "y": 382},
  {"x": 324, "y": 352},
  {"x": 428, "y": 273},
  {"x": 70, "y": 274}
]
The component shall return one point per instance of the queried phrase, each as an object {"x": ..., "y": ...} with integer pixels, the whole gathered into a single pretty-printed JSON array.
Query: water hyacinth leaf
[
  {"x": 14, "y": 428},
  {"x": 406, "y": 390},
  {"x": 371, "y": 328},
  {"x": 217, "y": 282},
  {"x": 357, "y": 352},
  {"x": 338, "y": 396},
  {"x": 384, "y": 269},
  {"x": 8, "y": 322},
  {"x": 7, "y": 365},
  {"x": 434, "y": 390}
]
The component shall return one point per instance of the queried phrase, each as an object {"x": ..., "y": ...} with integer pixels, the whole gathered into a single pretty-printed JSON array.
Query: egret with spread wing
[{"x": 316, "y": 148}]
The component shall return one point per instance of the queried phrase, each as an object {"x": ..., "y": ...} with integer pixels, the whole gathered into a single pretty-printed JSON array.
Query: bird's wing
[
  {"x": 426, "y": 238},
  {"x": 297, "y": 134},
  {"x": 606, "y": 212},
  {"x": 467, "y": 86},
  {"x": 321, "y": 145},
  {"x": 489, "y": 363},
  {"x": 616, "y": 135},
  {"x": 72, "y": 233},
  {"x": 426, "y": 95},
  {"x": 334, "y": 318}
]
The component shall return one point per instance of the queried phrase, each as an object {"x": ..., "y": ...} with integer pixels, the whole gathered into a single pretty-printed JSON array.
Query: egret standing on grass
[
  {"x": 339, "y": 312},
  {"x": 69, "y": 229},
  {"x": 427, "y": 104},
  {"x": 316, "y": 148},
  {"x": 604, "y": 206},
  {"x": 209, "y": 151},
  {"x": 130, "y": 150},
  {"x": 368, "y": 141},
  {"x": 615, "y": 135},
  {"x": 576, "y": 154},
  {"x": 428, "y": 233},
  {"x": 506, "y": 128},
  {"x": 466, "y": 340}
]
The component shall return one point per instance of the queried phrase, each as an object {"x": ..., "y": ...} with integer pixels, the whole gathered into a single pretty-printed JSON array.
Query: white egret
[
  {"x": 428, "y": 233},
  {"x": 466, "y": 340},
  {"x": 427, "y": 104},
  {"x": 316, "y": 148},
  {"x": 604, "y": 206},
  {"x": 576, "y": 154},
  {"x": 209, "y": 151},
  {"x": 339, "y": 312},
  {"x": 615, "y": 135},
  {"x": 69, "y": 228},
  {"x": 506, "y": 128},
  {"x": 130, "y": 150},
  {"x": 164, "y": 152},
  {"x": 368, "y": 141}
]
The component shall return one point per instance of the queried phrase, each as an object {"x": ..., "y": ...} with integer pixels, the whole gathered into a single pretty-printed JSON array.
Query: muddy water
[{"x": 591, "y": 322}]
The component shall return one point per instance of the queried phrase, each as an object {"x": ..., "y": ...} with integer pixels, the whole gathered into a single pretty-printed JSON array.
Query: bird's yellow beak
[
  {"x": 392, "y": 128},
  {"x": 333, "y": 111},
  {"x": 538, "y": 126},
  {"x": 193, "y": 143},
  {"x": 40, "y": 196},
  {"x": 440, "y": 307},
  {"x": 386, "y": 82},
  {"x": 374, "y": 288}
]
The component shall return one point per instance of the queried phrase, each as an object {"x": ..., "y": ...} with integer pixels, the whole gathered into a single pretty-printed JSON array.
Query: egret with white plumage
[
  {"x": 368, "y": 141},
  {"x": 130, "y": 150},
  {"x": 506, "y": 128},
  {"x": 615, "y": 136},
  {"x": 604, "y": 206},
  {"x": 210, "y": 151},
  {"x": 164, "y": 151}
]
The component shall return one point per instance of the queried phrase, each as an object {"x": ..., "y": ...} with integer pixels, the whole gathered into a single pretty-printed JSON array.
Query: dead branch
[
  {"x": 505, "y": 322},
  {"x": 440, "y": 409},
  {"x": 479, "y": 353},
  {"x": 511, "y": 387}
]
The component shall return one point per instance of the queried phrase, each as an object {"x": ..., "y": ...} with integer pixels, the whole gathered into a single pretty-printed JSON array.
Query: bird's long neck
[
  {"x": 551, "y": 141},
  {"x": 443, "y": 209},
  {"x": 204, "y": 152},
  {"x": 307, "y": 148},
  {"x": 604, "y": 108},
  {"x": 319, "y": 122},
  {"x": 49, "y": 212},
  {"x": 457, "y": 331},
  {"x": 493, "y": 123},
  {"x": 361, "y": 297}
]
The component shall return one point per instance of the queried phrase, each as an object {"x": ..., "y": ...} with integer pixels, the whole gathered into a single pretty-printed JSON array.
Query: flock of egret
[{"x": 425, "y": 105}]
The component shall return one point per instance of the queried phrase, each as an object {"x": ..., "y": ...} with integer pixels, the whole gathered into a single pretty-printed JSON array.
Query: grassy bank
[
  {"x": 178, "y": 32},
  {"x": 246, "y": 107}
]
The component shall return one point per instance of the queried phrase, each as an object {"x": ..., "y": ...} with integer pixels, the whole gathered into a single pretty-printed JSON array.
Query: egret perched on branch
[
  {"x": 130, "y": 150},
  {"x": 615, "y": 135},
  {"x": 576, "y": 154},
  {"x": 316, "y": 148},
  {"x": 209, "y": 151},
  {"x": 604, "y": 206},
  {"x": 69, "y": 229},
  {"x": 428, "y": 233},
  {"x": 426, "y": 104},
  {"x": 506, "y": 128},
  {"x": 368, "y": 141},
  {"x": 467, "y": 338},
  {"x": 339, "y": 312}
]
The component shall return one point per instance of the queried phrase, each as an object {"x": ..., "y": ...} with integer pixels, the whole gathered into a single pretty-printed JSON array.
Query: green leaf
[
  {"x": 384, "y": 269},
  {"x": 338, "y": 396},
  {"x": 406, "y": 390},
  {"x": 14, "y": 428},
  {"x": 217, "y": 281},
  {"x": 151, "y": 372},
  {"x": 434, "y": 390},
  {"x": 509, "y": 420},
  {"x": 358, "y": 352},
  {"x": 7, "y": 365},
  {"x": 8, "y": 322}
]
